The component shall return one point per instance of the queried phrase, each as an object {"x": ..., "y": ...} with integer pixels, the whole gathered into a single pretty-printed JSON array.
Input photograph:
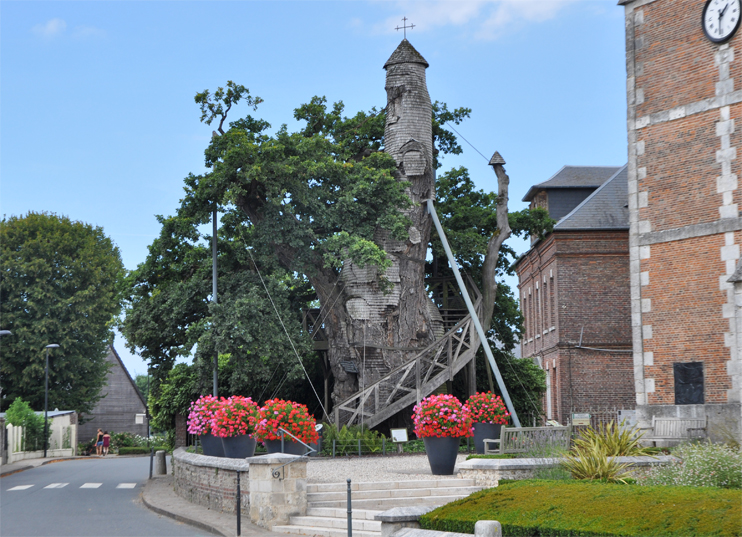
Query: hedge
[
  {"x": 592, "y": 509},
  {"x": 139, "y": 450}
]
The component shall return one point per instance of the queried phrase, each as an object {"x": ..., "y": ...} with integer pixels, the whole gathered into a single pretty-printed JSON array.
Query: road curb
[
  {"x": 179, "y": 518},
  {"x": 17, "y": 470}
]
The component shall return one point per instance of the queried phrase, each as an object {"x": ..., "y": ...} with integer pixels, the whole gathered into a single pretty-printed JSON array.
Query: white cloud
[
  {"x": 485, "y": 18},
  {"x": 50, "y": 28}
]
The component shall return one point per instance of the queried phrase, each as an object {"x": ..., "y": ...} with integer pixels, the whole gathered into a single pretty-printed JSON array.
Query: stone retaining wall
[
  {"x": 268, "y": 500},
  {"x": 489, "y": 472},
  {"x": 211, "y": 481}
]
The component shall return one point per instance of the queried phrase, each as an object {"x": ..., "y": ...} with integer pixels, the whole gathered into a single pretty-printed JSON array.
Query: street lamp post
[
  {"x": 5, "y": 333},
  {"x": 46, "y": 397}
]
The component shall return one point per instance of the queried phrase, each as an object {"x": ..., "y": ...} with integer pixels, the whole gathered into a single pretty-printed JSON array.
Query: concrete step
[
  {"x": 335, "y": 523},
  {"x": 323, "y": 532},
  {"x": 382, "y": 504},
  {"x": 384, "y": 485},
  {"x": 331, "y": 512},
  {"x": 390, "y": 493}
]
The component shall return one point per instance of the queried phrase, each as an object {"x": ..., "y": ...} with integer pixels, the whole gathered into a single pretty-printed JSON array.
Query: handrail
[{"x": 276, "y": 473}]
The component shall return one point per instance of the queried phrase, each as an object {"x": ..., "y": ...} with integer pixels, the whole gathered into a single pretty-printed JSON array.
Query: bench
[
  {"x": 528, "y": 439},
  {"x": 670, "y": 431}
]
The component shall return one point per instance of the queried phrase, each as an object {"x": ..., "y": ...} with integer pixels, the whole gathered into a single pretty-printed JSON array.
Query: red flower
[{"x": 291, "y": 416}]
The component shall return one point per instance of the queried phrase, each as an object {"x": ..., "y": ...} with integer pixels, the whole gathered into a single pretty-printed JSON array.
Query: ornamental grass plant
[
  {"x": 487, "y": 408},
  {"x": 288, "y": 415},
  {"x": 592, "y": 456},
  {"x": 699, "y": 464},
  {"x": 442, "y": 416},
  {"x": 235, "y": 416}
]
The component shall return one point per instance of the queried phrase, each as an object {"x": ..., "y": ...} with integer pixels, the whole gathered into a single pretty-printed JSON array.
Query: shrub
[
  {"x": 442, "y": 416},
  {"x": 568, "y": 508},
  {"x": 140, "y": 450},
  {"x": 346, "y": 439},
  {"x": 20, "y": 414},
  {"x": 700, "y": 465},
  {"x": 126, "y": 439}
]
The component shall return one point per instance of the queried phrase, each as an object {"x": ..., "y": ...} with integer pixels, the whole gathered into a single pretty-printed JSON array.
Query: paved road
[{"x": 97, "y": 497}]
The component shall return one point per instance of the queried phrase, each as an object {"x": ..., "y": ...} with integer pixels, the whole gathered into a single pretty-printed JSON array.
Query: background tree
[
  {"x": 472, "y": 220},
  {"x": 142, "y": 383},
  {"x": 60, "y": 282}
]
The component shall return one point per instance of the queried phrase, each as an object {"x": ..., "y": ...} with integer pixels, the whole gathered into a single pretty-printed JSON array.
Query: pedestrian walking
[
  {"x": 99, "y": 443},
  {"x": 106, "y": 442}
]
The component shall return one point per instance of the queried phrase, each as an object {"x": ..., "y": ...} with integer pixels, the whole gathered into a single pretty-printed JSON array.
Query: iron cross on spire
[{"x": 404, "y": 26}]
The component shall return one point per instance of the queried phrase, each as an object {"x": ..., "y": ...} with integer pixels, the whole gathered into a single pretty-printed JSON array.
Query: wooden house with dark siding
[{"x": 117, "y": 409}]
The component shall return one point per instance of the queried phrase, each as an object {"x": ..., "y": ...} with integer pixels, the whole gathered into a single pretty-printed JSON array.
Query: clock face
[{"x": 721, "y": 19}]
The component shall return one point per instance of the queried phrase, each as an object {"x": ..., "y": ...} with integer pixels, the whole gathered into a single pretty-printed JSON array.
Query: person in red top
[{"x": 106, "y": 442}]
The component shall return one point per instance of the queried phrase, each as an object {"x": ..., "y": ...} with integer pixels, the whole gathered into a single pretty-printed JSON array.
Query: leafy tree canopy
[
  {"x": 60, "y": 282},
  {"x": 295, "y": 206}
]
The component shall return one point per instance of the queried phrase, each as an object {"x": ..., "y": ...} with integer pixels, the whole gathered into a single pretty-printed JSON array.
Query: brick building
[
  {"x": 574, "y": 292},
  {"x": 685, "y": 229}
]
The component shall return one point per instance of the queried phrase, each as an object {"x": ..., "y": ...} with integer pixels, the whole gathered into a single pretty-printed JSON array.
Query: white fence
[{"x": 62, "y": 443}]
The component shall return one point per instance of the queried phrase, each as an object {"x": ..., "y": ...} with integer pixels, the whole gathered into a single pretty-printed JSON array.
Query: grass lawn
[{"x": 583, "y": 508}]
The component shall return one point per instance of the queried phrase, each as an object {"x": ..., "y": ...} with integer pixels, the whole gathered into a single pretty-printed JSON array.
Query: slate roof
[
  {"x": 574, "y": 177},
  {"x": 405, "y": 53},
  {"x": 606, "y": 208}
]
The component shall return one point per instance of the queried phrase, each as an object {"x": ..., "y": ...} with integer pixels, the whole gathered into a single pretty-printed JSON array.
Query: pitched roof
[
  {"x": 574, "y": 177},
  {"x": 606, "y": 208},
  {"x": 405, "y": 53}
]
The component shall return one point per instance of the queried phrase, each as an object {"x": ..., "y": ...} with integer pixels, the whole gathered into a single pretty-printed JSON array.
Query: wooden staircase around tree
[{"x": 424, "y": 372}]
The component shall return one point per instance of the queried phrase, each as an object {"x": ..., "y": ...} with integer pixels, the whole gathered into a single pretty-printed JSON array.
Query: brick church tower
[{"x": 684, "y": 83}]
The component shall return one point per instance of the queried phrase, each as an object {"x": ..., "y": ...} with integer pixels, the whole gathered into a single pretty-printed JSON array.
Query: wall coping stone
[
  {"x": 527, "y": 464},
  {"x": 404, "y": 514},
  {"x": 225, "y": 463}
]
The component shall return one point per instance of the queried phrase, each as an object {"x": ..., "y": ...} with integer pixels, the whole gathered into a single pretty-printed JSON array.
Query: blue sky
[{"x": 98, "y": 122}]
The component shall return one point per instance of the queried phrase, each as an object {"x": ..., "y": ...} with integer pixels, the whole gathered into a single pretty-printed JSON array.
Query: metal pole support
[
  {"x": 239, "y": 510},
  {"x": 350, "y": 513}
]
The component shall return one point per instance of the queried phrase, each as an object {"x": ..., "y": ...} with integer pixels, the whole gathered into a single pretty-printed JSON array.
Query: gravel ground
[{"x": 409, "y": 467}]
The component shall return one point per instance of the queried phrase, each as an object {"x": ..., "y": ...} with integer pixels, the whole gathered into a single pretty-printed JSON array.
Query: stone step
[
  {"x": 313, "y": 497},
  {"x": 332, "y": 512},
  {"x": 335, "y": 523},
  {"x": 384, "y": 485},
  {"x": 382, "y": 504},
  {"x": 323, "y": 532}
]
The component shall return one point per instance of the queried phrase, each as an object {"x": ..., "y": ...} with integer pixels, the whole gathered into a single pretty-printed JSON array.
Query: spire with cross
[{"x": 404, "y": 26}]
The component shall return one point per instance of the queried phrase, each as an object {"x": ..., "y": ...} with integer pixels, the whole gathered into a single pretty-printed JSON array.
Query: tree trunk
[{"x": 370, "y": 329}]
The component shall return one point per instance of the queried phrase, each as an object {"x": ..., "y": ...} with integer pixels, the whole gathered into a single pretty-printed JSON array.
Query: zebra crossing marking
[{"x": 83, "y": 486}]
